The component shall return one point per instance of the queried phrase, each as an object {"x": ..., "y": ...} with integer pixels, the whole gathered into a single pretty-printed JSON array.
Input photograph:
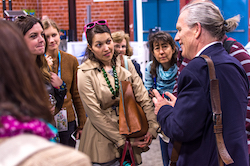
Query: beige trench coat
[{"x": 100, "y": 138}]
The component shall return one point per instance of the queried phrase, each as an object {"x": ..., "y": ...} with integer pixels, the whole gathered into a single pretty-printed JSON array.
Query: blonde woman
[{"x": 65, "y": 66}]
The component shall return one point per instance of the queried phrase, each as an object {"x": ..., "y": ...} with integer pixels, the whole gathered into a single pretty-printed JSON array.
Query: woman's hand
[
  {"x": 55, "y": 80},
  {"x": 143, "y": 141},
  {"x": 49, "y": 60},
  {"x": 78, "y": 133},
  {"x": 151, "y": 93},
  {"x": 52, "y": 110}
]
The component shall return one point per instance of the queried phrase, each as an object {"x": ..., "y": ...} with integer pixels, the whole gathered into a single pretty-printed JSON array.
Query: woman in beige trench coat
[{"x": 100, "y": 96}]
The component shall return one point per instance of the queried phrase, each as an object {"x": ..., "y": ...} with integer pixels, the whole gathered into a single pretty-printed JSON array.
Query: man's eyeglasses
[{"x": 92, "y": 24}]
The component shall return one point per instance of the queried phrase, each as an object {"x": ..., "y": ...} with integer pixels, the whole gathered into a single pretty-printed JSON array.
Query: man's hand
[{"x": 159, "y": 101}]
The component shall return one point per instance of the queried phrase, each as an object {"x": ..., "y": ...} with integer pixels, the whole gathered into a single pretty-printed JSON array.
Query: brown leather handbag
[{"x": 132, "y": 119}]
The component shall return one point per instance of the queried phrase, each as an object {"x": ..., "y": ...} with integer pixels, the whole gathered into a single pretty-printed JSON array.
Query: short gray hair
[{"x": 210, "y": 18}]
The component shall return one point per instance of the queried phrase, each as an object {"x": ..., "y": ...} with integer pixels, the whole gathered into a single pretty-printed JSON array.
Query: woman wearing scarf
[{"x": 161, "y": 72}]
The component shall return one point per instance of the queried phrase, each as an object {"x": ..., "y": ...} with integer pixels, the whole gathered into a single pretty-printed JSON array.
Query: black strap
[{"x": 227, "y": 44}]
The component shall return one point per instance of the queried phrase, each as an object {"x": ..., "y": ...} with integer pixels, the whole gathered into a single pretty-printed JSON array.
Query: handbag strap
[
  {"x": 124, "y": 61},
  {"x": 217, "y": 113},
  {"x": 175, "y": 153},
  {"x": 223, "y": 155},
  {"x": 127, "y": 145},
  {"x": 123, "y": 105}
]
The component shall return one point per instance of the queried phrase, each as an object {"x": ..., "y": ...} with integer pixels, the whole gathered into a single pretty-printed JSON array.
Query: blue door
[{"x": 162, "y": 14}]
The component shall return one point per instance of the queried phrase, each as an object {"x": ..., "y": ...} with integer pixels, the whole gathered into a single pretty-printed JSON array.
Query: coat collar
[
  {"x": 89, "y": 65},
  {"x": 123, "y": 73}
]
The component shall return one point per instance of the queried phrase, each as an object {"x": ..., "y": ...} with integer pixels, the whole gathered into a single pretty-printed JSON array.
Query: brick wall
[
  {"x": 57, "y": 10},
  {"x": 112, "y": 11},
  {"x": 22, "y": 4}
]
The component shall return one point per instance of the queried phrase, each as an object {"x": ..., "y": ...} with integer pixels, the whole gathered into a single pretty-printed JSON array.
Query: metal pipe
[
  {"x": 88, "y": 14},
  {"x": 10, "y": 5},
  {"x": 4, "y": 7}
]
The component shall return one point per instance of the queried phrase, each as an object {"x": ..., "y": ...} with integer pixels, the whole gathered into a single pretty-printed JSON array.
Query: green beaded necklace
[{"x": 116, "y": 92}]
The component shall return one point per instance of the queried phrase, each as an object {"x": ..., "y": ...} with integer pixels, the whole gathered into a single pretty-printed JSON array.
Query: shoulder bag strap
[
  {"x": 175, "y": 153},
  {"x": 125, "y": 61},
  {"x": 217, "y": 113},
  {"x": 228, "y": 43},
  {"x": 122, "y": 61}
]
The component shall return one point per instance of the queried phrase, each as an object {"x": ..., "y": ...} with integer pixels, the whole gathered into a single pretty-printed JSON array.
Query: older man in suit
[{"x": 189, "y": 117}]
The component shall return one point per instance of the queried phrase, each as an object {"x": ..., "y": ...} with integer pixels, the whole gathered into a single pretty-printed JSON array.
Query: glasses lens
[
  {"x": 90, "y": 25},
  {"x": 102, "y": 22}
]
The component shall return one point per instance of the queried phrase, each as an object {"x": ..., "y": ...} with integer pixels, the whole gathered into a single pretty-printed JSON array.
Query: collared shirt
[{"x": 198, "y": 54}]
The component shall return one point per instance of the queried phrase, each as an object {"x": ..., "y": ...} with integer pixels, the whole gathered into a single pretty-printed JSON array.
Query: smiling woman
[
  {"x": 65, "y": 66},
  {"x": 122, "y": 47},
  {"x": 32, "y": 30},
  {"x": 35, "y": 39}
]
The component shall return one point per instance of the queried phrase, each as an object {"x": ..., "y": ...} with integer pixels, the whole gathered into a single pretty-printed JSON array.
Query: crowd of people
[{"x": 48, "y": 100}]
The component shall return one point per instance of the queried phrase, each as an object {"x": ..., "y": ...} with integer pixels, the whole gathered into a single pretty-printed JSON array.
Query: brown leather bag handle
[{"x": 223, "y": 155}]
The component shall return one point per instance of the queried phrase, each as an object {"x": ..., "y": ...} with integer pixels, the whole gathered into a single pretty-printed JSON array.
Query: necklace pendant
[{"x": 113, "y": 97}]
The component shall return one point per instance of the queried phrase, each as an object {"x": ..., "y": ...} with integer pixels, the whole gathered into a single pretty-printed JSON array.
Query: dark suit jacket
[{"x": 190, "y": 121}]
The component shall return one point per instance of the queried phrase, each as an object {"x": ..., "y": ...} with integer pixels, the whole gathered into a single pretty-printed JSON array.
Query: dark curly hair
[{"x": 164, "y": 37}]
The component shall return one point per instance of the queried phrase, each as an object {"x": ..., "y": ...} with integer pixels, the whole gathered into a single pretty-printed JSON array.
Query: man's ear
[{"x": 197, "y": 29}]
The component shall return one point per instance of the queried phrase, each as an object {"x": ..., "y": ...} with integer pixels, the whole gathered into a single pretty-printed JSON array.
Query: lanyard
[{"x": 59, "y": 66}]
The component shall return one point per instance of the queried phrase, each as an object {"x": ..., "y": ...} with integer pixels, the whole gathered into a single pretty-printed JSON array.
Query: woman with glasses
[
  {"x": 98, "y": 85},
  {"x": 32, "y": 30},
  {"x": 122, "y": 47},
  {"x": 65, "y": 66},
  {"x": 160, "y": 73}
]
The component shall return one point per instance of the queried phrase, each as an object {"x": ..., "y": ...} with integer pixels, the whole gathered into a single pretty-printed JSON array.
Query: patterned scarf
[
  {"x": 166, "y": 79},
  {"x": 10, "y": 126}
]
